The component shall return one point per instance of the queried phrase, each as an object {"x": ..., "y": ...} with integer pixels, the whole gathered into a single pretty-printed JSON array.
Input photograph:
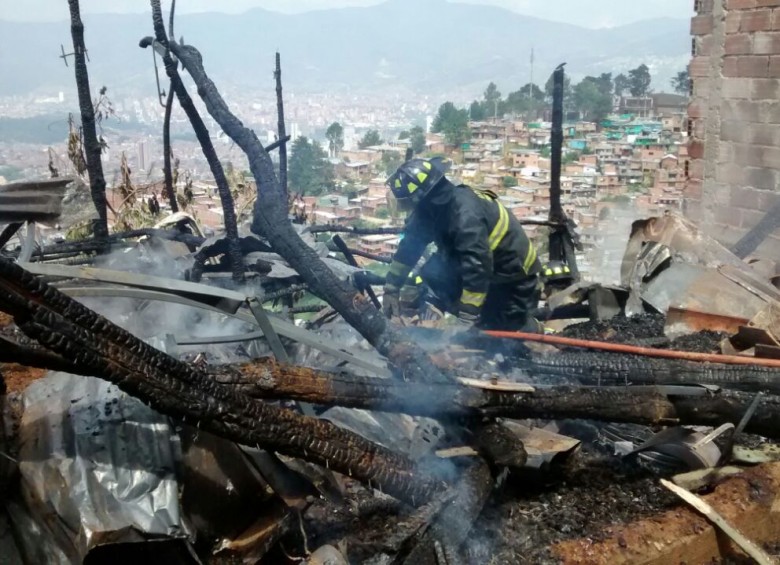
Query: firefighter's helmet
[
  {"x": 416, "y": 178},
  {"x": 557, "y": 272}
]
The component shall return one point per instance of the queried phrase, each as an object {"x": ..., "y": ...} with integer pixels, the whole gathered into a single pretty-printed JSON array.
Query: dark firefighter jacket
[{"x": 474, "y": 230}]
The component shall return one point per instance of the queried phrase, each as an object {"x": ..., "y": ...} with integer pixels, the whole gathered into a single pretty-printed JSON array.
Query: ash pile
[{"x": 178, "y": 421}]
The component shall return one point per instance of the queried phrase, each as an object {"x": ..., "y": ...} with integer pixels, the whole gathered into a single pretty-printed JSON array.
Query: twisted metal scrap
[{"x": 99, "y": 348}]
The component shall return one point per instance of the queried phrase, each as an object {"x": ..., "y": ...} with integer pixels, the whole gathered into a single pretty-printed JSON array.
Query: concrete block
[
  {"x": 774, "y": 67},
  {"x": 728, "y": 216},
  {"x": 740, "y": 111},
  {"x": 740, "y": 4},
  {"x": 767, "y": 3},
  {"x": 765, "y": 42},
  {"x": 761, "y": 179},
  {"x": 702, "y": 25},
  {"x": 758, "y": 20},
  {"x": 763, "y": 88},
  {"x": 733, "y": 20},
  {"x": 748, "y": 66},
  {"x": 738, "y": 44},
  {"x": 699, "y": 67},
  {"x": 744, "y": 197}
]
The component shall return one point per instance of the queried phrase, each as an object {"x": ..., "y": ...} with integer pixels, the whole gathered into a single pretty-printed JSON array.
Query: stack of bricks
[{"x": 734, "y": 118}]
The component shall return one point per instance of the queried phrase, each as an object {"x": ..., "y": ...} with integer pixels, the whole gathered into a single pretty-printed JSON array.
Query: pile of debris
[
  {"x": 217, "y": 429},
  {"x": 183, "y": 411}
]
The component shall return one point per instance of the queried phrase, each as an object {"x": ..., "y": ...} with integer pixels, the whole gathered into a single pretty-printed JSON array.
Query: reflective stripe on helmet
[
  {"x": 476, "y": 299},
  {"x": 427, "y": 165},
  {"x": 422, "y": 176},
  {"x": 411, "y": 187},
  {"x": 501, "y": 228}
]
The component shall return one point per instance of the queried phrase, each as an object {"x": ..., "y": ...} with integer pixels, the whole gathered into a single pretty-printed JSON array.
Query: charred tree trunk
[
  {"x": 202, "y": 133},
  {"x": 271, "y": 220},
  {"x": 594, "y": 368},
  {"x": 265, "y": 378},
  {"x": 99, "y": 348},
  {"x": 281, "y": 126},
  {"x": 97, "y": 182},
  {"x": 167, "y": 169}
]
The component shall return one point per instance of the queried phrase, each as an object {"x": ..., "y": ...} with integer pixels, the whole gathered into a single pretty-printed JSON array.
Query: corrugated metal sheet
[{"x": 37, "y": 201}]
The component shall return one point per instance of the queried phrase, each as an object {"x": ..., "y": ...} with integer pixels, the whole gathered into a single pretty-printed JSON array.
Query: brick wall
[{"x": 734, "y": 117}]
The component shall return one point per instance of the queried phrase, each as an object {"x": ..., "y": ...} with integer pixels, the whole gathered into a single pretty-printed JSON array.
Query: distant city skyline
[{"x": 586, "y": 13}]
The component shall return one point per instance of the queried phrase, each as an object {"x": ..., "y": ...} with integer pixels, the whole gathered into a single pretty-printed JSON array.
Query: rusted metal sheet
[
  {"x": 38, "y": 201},
  {"x": 687, "y": 320},
  {"x": 750, "y": 502}
]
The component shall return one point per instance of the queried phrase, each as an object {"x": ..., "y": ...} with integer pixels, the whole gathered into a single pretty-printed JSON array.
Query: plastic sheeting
[{"x": 97, "y": 466}]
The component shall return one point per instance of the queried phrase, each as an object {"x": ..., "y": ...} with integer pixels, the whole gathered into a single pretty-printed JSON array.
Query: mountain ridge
[{"x": 436, "y": 47}]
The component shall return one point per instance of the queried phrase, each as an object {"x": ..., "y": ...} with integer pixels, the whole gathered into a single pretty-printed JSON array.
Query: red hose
[{"x": 635, "y": 350}]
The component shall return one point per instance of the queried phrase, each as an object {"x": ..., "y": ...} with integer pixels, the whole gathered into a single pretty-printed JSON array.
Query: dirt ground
[{"x": 15, "y": 376}]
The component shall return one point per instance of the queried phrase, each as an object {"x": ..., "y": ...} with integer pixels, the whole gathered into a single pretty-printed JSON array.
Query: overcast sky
[{"x": 588, "y": 13}]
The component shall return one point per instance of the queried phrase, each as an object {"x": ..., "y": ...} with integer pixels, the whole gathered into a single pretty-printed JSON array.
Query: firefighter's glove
[{"x": 391, "y": 301}]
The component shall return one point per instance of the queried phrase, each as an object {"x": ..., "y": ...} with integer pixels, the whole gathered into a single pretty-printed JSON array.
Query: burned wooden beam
[
  {"x": 99, "y": 348},
  {"x": 265, "y": 378}
]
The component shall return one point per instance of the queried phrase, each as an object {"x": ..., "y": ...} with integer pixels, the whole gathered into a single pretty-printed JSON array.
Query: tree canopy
[
  {"x": 417, "y": 137},
  {"x": 593, "y": 97},
  {"x": 621, "y": 84},
  {"x": 639, "y": 80},
  {"x": 681, "y": 82},
  {"x": 310, "y": 173},
  {"x": 453, "y": 123},
  {"x": 370, "y": 139},
  {"x": 335, "y": 136}
]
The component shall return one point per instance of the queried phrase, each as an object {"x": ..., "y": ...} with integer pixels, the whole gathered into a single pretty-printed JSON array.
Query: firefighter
[{"x": 485, "y": 270}]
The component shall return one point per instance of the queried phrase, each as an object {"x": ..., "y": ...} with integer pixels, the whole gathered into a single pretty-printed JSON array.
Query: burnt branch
[
  {"x": 202, "y": 133},
  {"x": 99, "y": 348},
  {"x": 281, "y": 127},
  {"x": 97, "y": 182},
  {"x": 271, "y": 220},
  {"x": 168, "y": 152}
]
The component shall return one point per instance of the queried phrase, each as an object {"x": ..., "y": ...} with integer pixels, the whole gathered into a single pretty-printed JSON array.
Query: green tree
[
  {"x": 453, "y": 123},
  {"x": 639, "y": 80},
  {"x": 477, "y": 111},
  {"x": 592, "y": 100},
  {"x": 681, "y": 82},
  {"x": 622, "y": 83},
  {"x": 371, "y": 138},
  {"x": 310, "y": 173},
  {"x": 492, "y": 98},
  {"x": 509, "y": 182},
  {"x": 417, "y": 137},
  {"x": 335, "y": 136},
  {"x": 391, "y": 160}
]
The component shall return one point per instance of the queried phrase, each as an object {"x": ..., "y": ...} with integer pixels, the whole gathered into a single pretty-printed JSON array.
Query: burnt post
[
  {"x": 281, "y": 127},
  {"x": 556, "y": 139},
  {"x": 562, "y": 236},
  {"x": 97, "y": 182}
]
